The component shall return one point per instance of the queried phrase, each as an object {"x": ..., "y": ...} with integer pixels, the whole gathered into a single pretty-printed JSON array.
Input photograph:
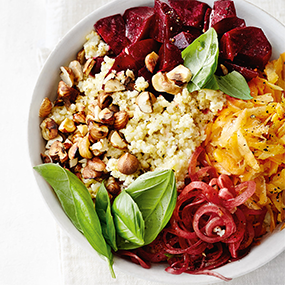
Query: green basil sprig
[
  {"x": 201, "y": 57},
  {"x": 78, "y": 205},
  {"x": 103, "y": 209},
  {"x": 155, "y": 194},
  {"x": 128, "y": 219}
]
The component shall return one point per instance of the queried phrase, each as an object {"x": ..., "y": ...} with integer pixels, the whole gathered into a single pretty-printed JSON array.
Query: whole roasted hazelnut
[
  {"x": 121, "y": 119},
  {"x": 128, "y": 164}
]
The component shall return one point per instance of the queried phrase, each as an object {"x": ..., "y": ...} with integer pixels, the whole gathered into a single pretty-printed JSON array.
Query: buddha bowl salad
[{"x": 166, "y": 140}]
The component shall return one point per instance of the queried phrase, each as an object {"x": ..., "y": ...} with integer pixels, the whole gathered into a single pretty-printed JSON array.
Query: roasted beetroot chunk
[
  {"x": 125, "y": 61},
  {"x": 97, "y": 67},
  {"x": 138, "y": 22},
  {"x": 184, "y": 39},
  {"x": 112, "y": 30},
  {"x": 247, "y": 72},
  {"x": 247, "y": 46},
  {"x": 223, "y": 17},
  {"x": 169, "y": 56},
  {"x": 166, "y": 22},
  {"x": 192, "y": 13}
]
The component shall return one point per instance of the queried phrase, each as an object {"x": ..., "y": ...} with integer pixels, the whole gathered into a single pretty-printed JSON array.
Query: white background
[{"x": 29, "y": 247}]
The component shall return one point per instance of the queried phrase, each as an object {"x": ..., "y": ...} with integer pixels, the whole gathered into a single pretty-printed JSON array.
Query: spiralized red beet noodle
[{"x": 209, "y": 227}]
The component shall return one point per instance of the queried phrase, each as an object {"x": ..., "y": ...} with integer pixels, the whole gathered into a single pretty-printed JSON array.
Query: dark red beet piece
[
  {"x": 166, "y": 22},
  {"x": 125, "y": 61},
  {"x": 112, "y": 31},
  {"x": 223, "y": 17},
  {"x": 138, "y": 22},
  {"x": 192, "y": 13},
  {"x": 207, "y": 20},
  {"x": 141, "y": 49},
  {"x": 184, "y": 39},
  {"x": 247, "y": 72},
  {"x": 246, "y": 46},
  {"x": 145, "y": 74},
  {"x": 169, "y": 57}
]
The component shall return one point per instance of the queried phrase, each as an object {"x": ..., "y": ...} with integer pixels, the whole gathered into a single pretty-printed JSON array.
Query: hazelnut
[
  {"x": 77, "y": 70},
  {"x": 73, "y": 151},
  {"x": 128, "y": 164},
  {"x": 80, "y": 57},
  {"x": 114, "y": 85},
  {"x": 113, "y": 186},
  {"x": 179, "y": 75},
  {"x": 89, "y": 64},
  {"x": 49, "y": 129},
  {"x": 161, "y": 83},
  {"x": 67, "y": 75},
  {"x": 106, "y": 116},
  {"x": 79, "y": 117},
  {"x": 117, "y": 141},
  {"x": 64, "y": 91},
  {"x": 58, "y": 152},
  {"x": 151, "y": 60},
  {"x": 114, "y": 108},
  {"x": 97, "y": 131},
  {"x": 67, "y": 126},
  {"x": 145, "y": 101},
  {"x": 83, "y": 145},
  {"x": 45, "y": 108},
  {"x": 104, "y": 100},
  {"x": 121, "y": 119},
  {"x": 94, "y": 168}
]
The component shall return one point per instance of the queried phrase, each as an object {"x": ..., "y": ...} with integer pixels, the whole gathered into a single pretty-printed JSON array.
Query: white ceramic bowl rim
[{"x": 65, "y": 51}]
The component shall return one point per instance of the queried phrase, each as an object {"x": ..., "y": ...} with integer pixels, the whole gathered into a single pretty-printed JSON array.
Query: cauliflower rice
[{"x": 164, "y": 139}]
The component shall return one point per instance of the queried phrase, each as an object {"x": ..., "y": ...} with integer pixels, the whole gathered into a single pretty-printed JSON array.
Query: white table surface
[{"x": 29, "y": 248}]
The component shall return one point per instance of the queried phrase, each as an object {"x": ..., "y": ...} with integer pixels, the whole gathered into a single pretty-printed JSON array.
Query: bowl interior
[{"x": 46, "y": 86}]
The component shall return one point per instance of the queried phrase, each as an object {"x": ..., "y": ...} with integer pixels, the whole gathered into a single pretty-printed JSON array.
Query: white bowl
[{"x": 271, "y": 245}]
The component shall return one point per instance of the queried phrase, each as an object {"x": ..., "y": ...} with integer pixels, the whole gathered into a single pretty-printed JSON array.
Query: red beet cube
[
  {"x": 192, "y": 13},
  {"x": 247, "y": 46},
  {"x": 166, "y": 22},
  {"x": 223, "y": 17},
  {"x": 112, "y": 30},
  {"x": 125, "y": 61},
  {"x": 169, "y": 57},
  {"x": 247, "y": 72},
  {"x": 184, "y": 39},
  {"x": 207, "y": 19},
  {"x": 138, "y": 22}
]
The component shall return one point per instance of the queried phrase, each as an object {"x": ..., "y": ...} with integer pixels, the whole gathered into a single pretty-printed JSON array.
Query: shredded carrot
[{"x": 247, "y": 140}]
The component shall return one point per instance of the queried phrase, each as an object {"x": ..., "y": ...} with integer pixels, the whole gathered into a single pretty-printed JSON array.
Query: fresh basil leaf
[
  {"x": 81, "y": 205},
  {"x": 234, "y": 85},
  {"x": 155, "y": 194},
  {"x": 103, "y": 209},
  {"x": 59, "y": 181},
  {"x": 128, "y": 219},
  {"x": 212, "y": 84},
  {"x": 201, "y": 57}
]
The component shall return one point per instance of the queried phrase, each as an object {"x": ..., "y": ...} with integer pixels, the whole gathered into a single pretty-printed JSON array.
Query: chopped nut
[
  {"x": 67, "y": 75},
  {"x": 224, "y": 69},
  {"x": 114, "y": 85},
  {"x": 145, "y": 101},
  {"x": 128, "y": 164},
  {"x": 50, "y": 142},
  {"x": 121, "y": 119},
  {"x": 76, "y": 136},
  {"x": 83, "y": 145},
  {"x": 93, "y": 169},
  {"x": 64, "y": 91},
  {"x": 45, "y": 108},
  {"x": 179, "y": 75},
  {"x": 114, "y": 108},
  {"x": 99, "y": 147},
  {"x": 81, "y": 56},
  {"x": 73, "y": 162},
  {"x": 77, "y": 70},
  {"x": 49, "y": 129},
  {"x": 67, "y": 144},
  {"x": 97, "y": 131},
  {"x": 161, "y": 83},
  {"x": 89, "y": 64},
  {"x": 113, "y": 186},
  {"x": 67, "y": 126},
  {"x": 117, "y": 141},
  {"x": 79, "y": 117},
  {"x": 104, "y": 100},
  {"x": 73, "y": 152},
  {"x": 106, "y": 116},
  {"x": 151, "y": 60},
  {"x": 83, "y": 129},
  {"x": 57, "y": 152}
]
